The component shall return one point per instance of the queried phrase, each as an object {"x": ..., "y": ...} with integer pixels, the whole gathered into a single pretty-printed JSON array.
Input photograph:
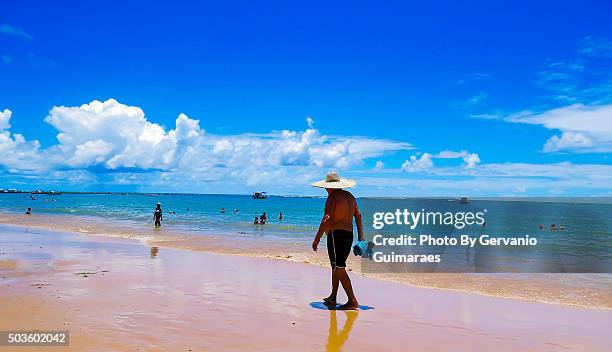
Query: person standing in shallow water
[
  {"x": 157, "y": 215},
  {"x": 340, "y": 209}
]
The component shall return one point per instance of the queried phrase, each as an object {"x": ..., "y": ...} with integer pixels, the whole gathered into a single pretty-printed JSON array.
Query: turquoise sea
[
  {"x": 586, "y": 221},
  {"x": 187, "y": 213},
  {"x": 583, "y": 218}
]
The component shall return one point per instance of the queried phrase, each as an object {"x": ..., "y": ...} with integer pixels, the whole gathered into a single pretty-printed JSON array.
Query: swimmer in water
[{"x": 157, "y": 215}]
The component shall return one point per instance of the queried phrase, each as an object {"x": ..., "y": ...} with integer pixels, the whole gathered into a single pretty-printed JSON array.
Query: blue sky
[{"x": 408, "y": 98}]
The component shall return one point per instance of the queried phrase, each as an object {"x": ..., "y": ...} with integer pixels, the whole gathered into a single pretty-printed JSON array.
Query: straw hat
[{"x": 333, "y": 180}]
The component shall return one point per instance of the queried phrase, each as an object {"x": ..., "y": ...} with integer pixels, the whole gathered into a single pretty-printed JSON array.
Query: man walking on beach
[
  {"x": 340, "y": 209},
  {"x": 157, "y": 215}
]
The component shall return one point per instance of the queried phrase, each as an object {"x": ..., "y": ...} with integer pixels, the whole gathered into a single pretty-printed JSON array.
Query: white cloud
[
  {"x": 300, "y": 148},
  {"x": 487, "y": 116},
  {"x": 470, "y": 159},
  {"x": 567, "y": 141},
  {"x": 416, "y": 164},
  {"x": 137, "y": 154},
  {"x": 310, "y": 122},
  {"x": 5, "y": 119},
  {"x": 117, "y": 137},
  {"x": 496, "y": 179},
  {"x": 595, "y": 47},
  {"x": 89, "y": 153},
  {"x": 478, "y": 98},
  {"x": 472, "y": 102},
  {"x": 425, "y": 161},
  {"x": 584, "y": 128},
  {"x": 565, "y": 79},
  {"x": 449, "y": 154},
  {"x": 17, "y": 153},
  {"x": 14, "y": 31},
  {"x": 562, "y": 170}
]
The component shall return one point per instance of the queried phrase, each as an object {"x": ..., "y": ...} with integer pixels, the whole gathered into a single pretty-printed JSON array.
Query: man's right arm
[{"x": 323, "y": 226}]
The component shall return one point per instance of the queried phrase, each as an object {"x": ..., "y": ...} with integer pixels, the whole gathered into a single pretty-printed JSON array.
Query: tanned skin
[{"x": 344, "y": 208}]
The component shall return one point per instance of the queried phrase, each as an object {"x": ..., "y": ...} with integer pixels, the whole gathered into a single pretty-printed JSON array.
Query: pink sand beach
[{"x": 121, "y": 295}]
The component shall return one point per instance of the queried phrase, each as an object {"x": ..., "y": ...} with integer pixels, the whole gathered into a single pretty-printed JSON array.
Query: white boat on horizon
[{"x": 260, "y": 195}]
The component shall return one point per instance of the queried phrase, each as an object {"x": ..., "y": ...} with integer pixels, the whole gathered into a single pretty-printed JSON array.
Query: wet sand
[
  {"x": 121, "y": 295},
  {"x": 580, "y": 290}
]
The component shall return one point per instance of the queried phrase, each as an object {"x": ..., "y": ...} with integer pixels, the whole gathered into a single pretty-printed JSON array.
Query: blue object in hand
[{"x": 363, "y": 249}]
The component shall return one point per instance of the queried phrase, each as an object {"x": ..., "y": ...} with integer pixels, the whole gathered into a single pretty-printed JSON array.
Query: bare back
[{"x": 341, "y": 206}]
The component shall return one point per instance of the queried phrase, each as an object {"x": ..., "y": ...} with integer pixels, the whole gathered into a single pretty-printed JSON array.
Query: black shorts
[{"x": 339, "y": 244}]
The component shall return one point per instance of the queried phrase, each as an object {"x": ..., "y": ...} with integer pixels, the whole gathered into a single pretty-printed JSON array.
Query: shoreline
[
  {"x": 119, "y": 294},
  {"x": 522, "y": 287}
]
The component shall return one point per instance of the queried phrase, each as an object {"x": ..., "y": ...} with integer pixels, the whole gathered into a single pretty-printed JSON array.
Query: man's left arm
[{"x": 357, "y": 216}]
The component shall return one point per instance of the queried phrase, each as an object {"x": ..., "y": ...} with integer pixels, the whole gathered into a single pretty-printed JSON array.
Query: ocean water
[
  {"x": 587, "y": 221},
  {"x": 572, "y": 235},
  {"x": 196, "y": 214},
  {"x": 198, "y": 224}
]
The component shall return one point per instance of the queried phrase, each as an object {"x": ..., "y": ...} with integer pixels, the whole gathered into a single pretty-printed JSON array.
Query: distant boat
[
  {"x": 260, "y": 195},
  {"x": 463, "y": 200}
]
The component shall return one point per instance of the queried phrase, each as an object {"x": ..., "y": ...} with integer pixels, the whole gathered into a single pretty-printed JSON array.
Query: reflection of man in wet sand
[
  {"x": 154, "y": 251},
  {"x": 337, "y": 223},
  {"x": 157, "y": 215},
  {"x": 336, "y": 339}
]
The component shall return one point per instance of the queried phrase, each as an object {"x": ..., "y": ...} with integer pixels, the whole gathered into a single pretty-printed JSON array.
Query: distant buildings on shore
[
  {"x": 10, "y": 190},
  {"x": 13, "y": 190}
]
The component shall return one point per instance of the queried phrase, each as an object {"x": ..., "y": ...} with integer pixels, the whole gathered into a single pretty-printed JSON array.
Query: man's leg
[
  {"x": 348, "y": 288},
  {"x": 335, "y": 283},
  {"x": 331, "y": 252}
]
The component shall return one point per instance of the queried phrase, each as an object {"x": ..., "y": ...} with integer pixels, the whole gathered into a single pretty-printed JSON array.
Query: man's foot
[
  {"x": 350, "y": 305},
  {"x": 330, "y": 301}
]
